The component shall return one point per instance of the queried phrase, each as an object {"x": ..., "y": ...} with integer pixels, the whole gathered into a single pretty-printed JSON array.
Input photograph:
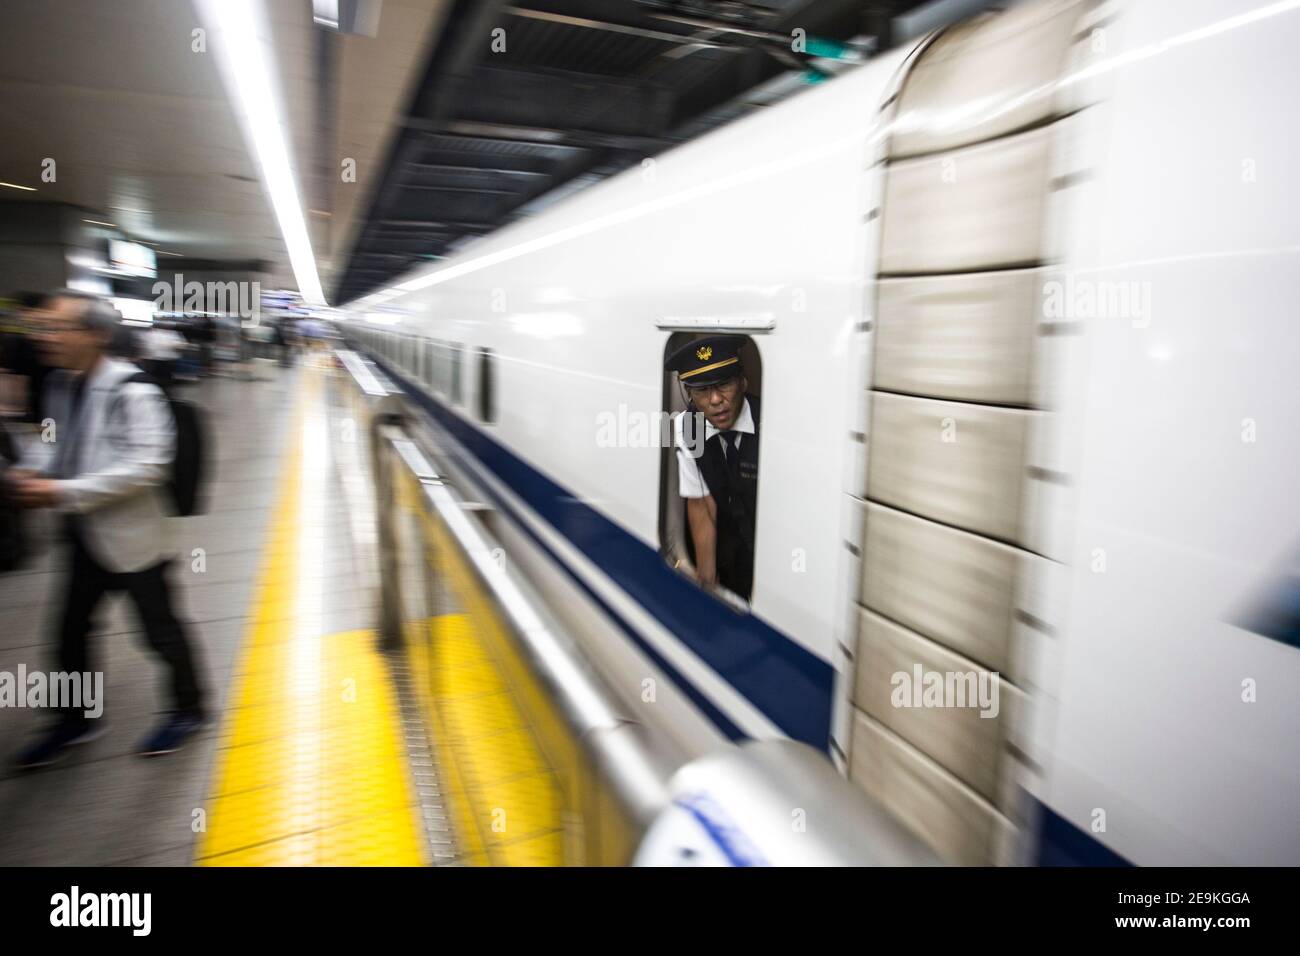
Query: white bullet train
[{"x": 1022, "y": 301}]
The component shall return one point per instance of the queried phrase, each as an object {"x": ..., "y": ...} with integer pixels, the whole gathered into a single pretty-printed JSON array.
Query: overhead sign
[{"x": 132, "y": 258}]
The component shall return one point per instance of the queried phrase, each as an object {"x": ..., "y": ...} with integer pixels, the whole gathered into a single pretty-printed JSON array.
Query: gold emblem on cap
[{"x": 704, "y": 353}]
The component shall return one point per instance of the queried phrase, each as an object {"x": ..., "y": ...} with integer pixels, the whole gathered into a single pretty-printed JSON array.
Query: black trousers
[{"x": 86, "y": 585}]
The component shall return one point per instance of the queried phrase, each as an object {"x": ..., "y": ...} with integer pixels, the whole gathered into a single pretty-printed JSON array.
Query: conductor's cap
[{"x": 707, "y": 361}]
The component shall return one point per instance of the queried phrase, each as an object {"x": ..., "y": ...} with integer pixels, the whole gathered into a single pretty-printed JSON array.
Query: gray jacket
[{"x": 123, "y": 444}]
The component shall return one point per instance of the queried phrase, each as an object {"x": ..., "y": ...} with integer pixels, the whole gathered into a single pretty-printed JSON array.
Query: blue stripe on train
[
  {"x": 788, "y": 683},
  {"x": 1061, "y": 843}
]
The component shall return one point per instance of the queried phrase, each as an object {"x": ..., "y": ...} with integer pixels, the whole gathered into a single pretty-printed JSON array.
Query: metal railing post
[{"x": 387, "y": 546}]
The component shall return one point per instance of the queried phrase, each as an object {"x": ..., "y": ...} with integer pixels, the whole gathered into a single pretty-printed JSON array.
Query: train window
[
  {"x": 430, "y": 363},
  {"x": 709, "y": 468},
  {"x": 487, "y": 408},
  {"x": 444, "y": 370},
  {"x": 457, "y": 393}
]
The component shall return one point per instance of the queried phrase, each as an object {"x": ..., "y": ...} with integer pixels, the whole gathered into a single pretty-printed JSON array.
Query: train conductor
[{"x": 718, "y": 470}]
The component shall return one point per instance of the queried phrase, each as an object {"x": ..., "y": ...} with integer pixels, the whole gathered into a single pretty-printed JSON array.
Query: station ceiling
[
  {"x": 145, "y": 139},
  {"x": 458, "y": 116},
  {"x": 138, "y": 125}
]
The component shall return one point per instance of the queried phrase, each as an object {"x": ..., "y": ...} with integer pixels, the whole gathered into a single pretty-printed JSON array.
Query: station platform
[
  {"x": 309, "y": 759},
  {"x": 385, "y": 689}
]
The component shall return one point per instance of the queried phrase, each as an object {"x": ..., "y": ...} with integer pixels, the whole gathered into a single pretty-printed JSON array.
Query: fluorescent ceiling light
[
  {"x": 30, "y": 189},
  {"x": 241, "y": 40},
  {"x": 96, "y": 222}
]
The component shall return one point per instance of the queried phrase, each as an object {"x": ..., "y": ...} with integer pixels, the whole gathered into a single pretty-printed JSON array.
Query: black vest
[{"x": 735, "y": 492}]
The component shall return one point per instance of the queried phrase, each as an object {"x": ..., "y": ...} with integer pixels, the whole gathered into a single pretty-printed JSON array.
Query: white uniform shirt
[{"x": 690, "y": 482}]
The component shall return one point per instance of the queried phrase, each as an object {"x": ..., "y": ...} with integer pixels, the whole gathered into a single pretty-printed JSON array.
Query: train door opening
[{"x": 693, "y": 475}]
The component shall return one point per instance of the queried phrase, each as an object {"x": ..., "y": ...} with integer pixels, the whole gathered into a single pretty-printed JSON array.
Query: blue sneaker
[
  {"x": 170, "y": 735},
  {"x": 55, "y": 743}
]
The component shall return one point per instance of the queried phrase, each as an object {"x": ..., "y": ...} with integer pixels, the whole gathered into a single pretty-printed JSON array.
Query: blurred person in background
[
  {"x": 292, "y": 338},
  {"x": 281, "y": 339},
  {"x": 312, "y": 334},
  {"x": 205, "y": 336},
  {"x": 127, "y": 344},
  {"x": 106, "y": 472},
  {"x": 163, "y": 348},
  {"x": 16, "y": 352},
  {"x": 262, "y": 337},
  {"x": 22, "y": 369},
  {"x": 13, "y": 529},
  {"x": 188, "y": 366},
  {"x": 22, "y": 377},
  {"x": 232, "y": 346}
]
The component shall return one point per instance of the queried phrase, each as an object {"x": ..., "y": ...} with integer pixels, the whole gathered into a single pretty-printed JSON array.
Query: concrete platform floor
[{"x": 103, "y": 805}]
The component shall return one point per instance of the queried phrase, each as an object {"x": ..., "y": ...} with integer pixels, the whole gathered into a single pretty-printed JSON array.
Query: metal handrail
[
  {"x": 589, "y": 708},
  {"x": 632, "y": 767}
]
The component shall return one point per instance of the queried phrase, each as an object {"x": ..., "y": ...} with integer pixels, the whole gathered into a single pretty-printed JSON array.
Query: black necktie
[
  {"x": 730, "y": 440},
  {"x": 735, "y": 503}
]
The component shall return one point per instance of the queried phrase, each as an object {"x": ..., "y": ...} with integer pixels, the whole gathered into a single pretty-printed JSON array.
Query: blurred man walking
[{"x": 107, "y": 470}]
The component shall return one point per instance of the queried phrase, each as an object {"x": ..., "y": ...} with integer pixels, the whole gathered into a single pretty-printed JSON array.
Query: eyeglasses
[
  {"x": 48, "y": 325},
  {"x": 727, "y": 389}
]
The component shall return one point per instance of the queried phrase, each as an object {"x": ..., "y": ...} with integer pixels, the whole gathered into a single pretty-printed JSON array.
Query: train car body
[{"x": 1022, "y": 295}]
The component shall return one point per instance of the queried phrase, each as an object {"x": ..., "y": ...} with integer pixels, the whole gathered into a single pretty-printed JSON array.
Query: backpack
[{"x": 189, "y": 461}]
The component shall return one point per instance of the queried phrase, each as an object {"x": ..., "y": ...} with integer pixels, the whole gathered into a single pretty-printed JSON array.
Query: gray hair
[{"x": 97, "y": 315}]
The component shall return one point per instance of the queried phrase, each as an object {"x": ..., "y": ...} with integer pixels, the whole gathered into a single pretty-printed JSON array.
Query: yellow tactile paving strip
[
  {"x": 500, "y": 753},
  {"x": 505, "y": 798},
  {"x": 311, "y": 769}
]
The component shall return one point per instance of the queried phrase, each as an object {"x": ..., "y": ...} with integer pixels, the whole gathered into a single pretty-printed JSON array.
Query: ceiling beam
[
  {"x": 562, "y": 137},
  {"x": 443, "y": 168},
  {"x": 602, "y": 25}
]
